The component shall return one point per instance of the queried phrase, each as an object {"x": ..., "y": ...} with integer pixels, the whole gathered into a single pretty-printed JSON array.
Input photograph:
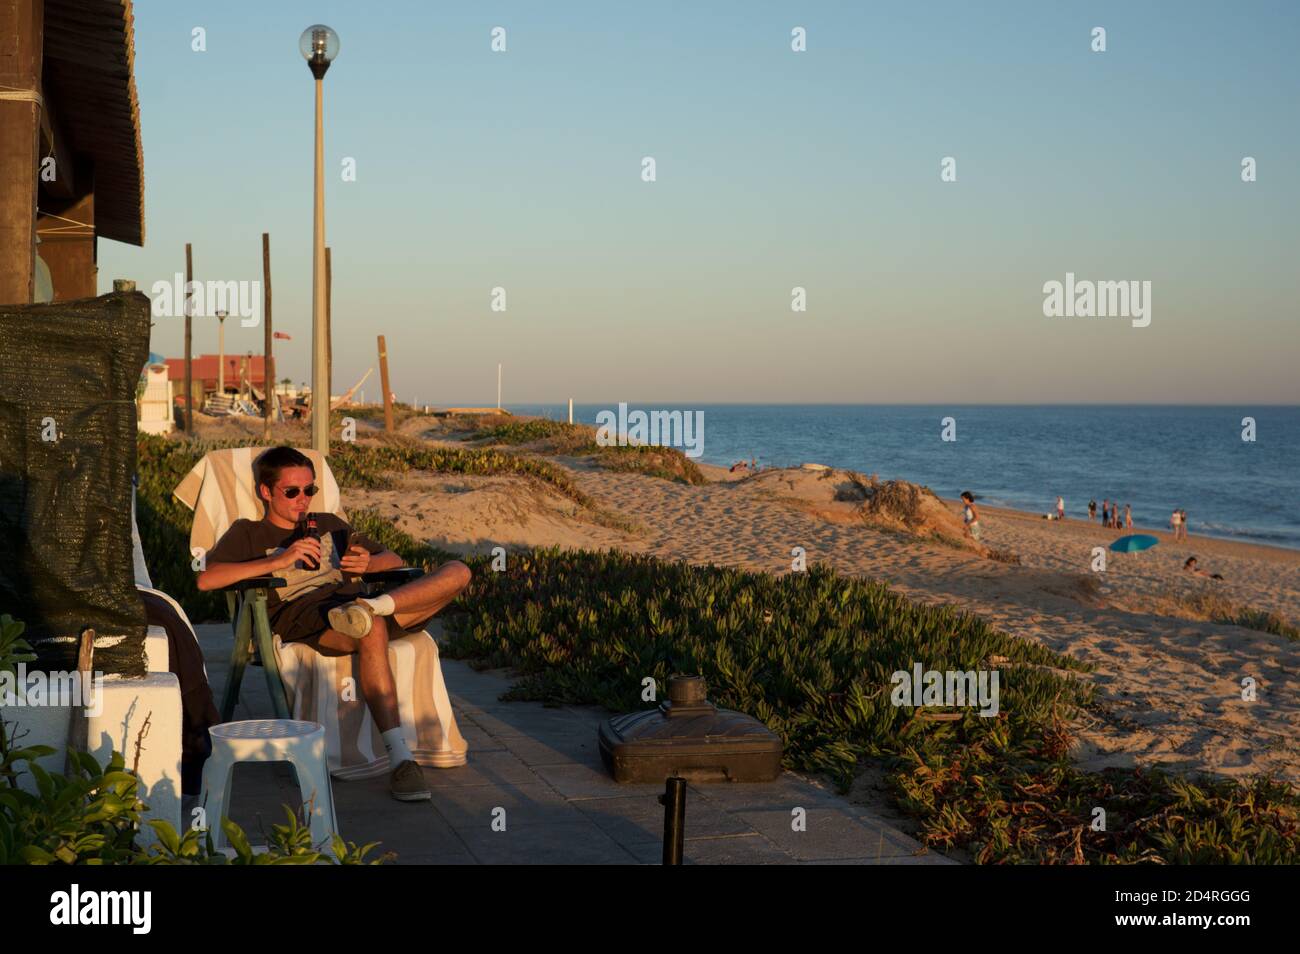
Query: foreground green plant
[
  {"x": 1028, "y": 804},
  {"x": 811, "y": 655},
  {"x": 93, "y": 814}
]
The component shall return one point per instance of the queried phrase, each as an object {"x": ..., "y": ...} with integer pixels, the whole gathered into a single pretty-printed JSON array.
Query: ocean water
[{"x": 1153, "y": 457}]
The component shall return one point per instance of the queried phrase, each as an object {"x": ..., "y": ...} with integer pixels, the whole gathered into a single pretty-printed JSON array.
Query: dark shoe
[{"x": 407, "y": 783}]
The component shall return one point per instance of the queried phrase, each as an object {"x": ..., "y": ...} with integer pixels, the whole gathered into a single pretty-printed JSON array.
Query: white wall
[{"x": 127, "y": 703}]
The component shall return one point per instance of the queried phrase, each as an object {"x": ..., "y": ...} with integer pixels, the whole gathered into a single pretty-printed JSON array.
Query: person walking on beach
[
  {"x": 1128, "y": 516},
  {"x": 1175, "y": 524},
  {"x": 1060, "y": 508},
  {"x": 1092, "y": 511},
  {"x": 1182, "y": 523},
  {"x": 970, "y": 516},
  {"x": 1105, "y": 512}
]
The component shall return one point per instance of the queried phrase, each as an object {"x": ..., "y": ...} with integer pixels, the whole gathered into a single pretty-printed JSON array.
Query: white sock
[
  {"x": 395, "y": 743},
  {"x": 379, "y": 605}
]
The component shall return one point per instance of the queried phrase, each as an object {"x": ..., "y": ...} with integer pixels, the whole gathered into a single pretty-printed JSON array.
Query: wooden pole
[
  {"x": 22, "y": 26},
  {"x": 189, "y": 340},
  {"x": 268, "y": 360},
  {"x": 78, "y": 727},
  {"x": 221, "y": 353},
  {"x": 383, "y": 378}
]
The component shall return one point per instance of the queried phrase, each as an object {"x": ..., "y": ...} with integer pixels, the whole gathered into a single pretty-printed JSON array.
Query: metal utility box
[{"x": 688, "y": 736}]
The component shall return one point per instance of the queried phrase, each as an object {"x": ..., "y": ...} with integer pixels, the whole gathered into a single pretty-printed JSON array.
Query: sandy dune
[
  {"x": 1171, "y": 688},
  {"x": 470, "y": 514}
]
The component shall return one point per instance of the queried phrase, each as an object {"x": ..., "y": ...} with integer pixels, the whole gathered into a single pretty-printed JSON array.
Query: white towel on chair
[
  {"x": 219, "y": 489},
  {"x": 325, "y": 689}
]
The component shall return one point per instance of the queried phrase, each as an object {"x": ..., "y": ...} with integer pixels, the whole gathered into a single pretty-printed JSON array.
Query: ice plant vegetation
[{"x": 811, "y": 655}]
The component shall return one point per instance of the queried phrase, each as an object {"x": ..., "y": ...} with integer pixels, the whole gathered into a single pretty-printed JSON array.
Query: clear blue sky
[{"x": 775, "y": 169}]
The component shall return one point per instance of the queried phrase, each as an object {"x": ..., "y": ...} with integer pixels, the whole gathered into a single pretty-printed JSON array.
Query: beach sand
[{"x": 1170, "y": 687}]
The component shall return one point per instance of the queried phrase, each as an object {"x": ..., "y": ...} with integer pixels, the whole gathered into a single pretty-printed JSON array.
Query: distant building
[{"x": 241, "y": 370}]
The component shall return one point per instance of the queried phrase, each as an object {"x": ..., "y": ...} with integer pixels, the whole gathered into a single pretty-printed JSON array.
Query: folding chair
[
  {"x": 303, "y": 683},
  {"x": 246, "y": 602}
]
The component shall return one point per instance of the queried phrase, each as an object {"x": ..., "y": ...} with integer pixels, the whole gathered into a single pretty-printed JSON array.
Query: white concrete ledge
[
  {"x": 125, "y": 705},
  {"x": 156, "y": 650}
]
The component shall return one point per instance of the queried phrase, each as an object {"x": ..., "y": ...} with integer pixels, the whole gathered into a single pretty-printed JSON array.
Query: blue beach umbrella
[{"x": 1134, "y": 543}]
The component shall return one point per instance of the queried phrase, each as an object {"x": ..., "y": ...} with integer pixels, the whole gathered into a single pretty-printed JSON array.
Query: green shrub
[
  {"x": 811, "y": 655},
  {"x": 93, "y": 815},
  {"x": 537, "y": 429},
  {"x": 1218, "y": 608},
  {"x": 374, "y": 467},
  {"x": 667, "y": 463}
]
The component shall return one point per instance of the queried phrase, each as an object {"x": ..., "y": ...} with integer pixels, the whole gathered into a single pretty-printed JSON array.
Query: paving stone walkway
[{"x": 542, "y": 765}]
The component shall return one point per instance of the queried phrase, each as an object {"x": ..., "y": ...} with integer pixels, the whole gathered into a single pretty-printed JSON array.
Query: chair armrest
[
  {"x": 388, "y": 577},
  {"x": 255, "y": 583}
]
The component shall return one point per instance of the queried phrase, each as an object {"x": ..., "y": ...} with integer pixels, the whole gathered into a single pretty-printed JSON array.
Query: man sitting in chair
[{"x": 319, "y": 605}]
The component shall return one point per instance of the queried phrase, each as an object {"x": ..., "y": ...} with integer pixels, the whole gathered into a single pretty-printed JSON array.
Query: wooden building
[
  {"x": 240, "y": 370},
  {"x": 71, "y": 162}
]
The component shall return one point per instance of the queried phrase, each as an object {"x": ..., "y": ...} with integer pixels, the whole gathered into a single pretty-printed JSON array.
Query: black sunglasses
[{"x": 290, "y": 492}]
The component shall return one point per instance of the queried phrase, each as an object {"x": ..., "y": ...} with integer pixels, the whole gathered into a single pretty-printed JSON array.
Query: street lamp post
[
  {"x": 221, "y": 353},
  {"x": 319, "y": 46}
]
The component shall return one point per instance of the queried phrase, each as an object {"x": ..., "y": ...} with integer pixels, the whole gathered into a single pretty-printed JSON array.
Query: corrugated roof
[
  {"x": 90, "y": 87},
  {"x": 205, "y": 368}
]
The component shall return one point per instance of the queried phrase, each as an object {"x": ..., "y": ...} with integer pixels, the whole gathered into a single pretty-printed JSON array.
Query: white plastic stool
[{"x": 302, "y": 744}]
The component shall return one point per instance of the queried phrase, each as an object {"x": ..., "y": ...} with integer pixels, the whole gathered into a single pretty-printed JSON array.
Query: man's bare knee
[{"x": 458, "y": 573}]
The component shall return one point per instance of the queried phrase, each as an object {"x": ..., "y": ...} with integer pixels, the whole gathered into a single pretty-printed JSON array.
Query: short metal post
[{"x": 674, "y": 801}]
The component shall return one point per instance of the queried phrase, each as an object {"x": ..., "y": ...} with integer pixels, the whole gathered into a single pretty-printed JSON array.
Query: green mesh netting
[{"x": 68, "y": 371}]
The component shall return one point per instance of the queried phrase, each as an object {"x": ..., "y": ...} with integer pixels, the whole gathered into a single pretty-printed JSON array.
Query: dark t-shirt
[{"x": 297, "y": 610}]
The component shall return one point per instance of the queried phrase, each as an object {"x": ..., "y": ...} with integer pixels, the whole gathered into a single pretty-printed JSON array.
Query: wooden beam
[
  {"x": 268, "y": 360},
  {"x": 55, "y": 145},
  {"x": 383, "y": 378},
  {"x": 189, "y": 338},
  {"x": 67, "y": 249},
  {"x": 22, "y": 30}
]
